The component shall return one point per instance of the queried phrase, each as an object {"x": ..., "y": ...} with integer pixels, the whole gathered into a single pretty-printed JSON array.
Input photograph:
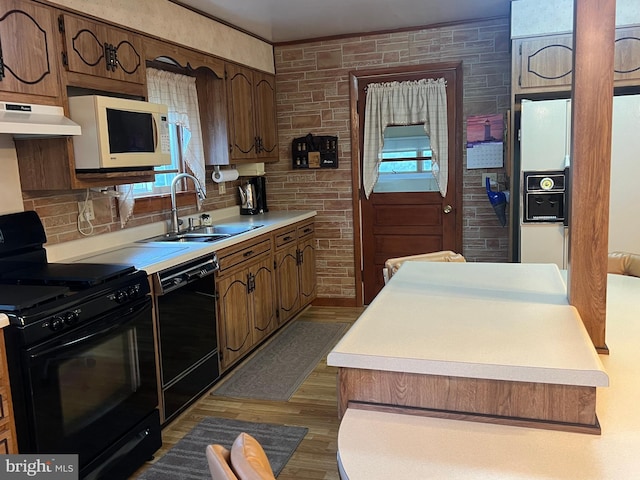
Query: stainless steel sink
[
  {"x": 204, "y": 234},
  {"x": 224, "y": 229},
  {"x": 187, "y": 237}
]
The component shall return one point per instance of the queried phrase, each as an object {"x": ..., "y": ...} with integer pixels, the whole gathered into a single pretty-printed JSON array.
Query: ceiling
[{"x": 289, "y": 20}]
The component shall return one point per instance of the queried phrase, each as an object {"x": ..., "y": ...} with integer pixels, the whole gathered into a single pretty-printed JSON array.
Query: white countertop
[
  {"x": 503, "y": 321},
  {"x": 124, "y": 247},
  {"x": 406, "y": 446}
]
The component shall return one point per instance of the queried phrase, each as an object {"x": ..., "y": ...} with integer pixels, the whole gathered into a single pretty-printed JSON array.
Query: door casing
[{"x": 361, "y": 77}]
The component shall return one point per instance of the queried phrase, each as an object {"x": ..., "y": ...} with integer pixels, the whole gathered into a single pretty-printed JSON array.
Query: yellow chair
[
  {"x": 623, "y": 263},
  {"x": 245, "y": 461},
  {"x": 392, "y": 265}
]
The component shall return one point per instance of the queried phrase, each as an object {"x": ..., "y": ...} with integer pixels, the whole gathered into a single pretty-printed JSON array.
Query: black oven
[
  {"x": 80, "y": 354},
  {"x": 89, "y": 390}
]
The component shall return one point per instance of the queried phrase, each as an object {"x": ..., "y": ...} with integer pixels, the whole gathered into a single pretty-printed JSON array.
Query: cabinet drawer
[
  {"x": 286, "y": 237},
  {"x": 4, "y": 407},
  {"x": 305, "y": 230},
  {"x": 234, "y": 256},
  {"x": 6, "y": 440}
]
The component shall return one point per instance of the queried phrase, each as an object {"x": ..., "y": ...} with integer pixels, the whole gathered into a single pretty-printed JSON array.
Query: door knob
[{"x": 447, "y": 209}]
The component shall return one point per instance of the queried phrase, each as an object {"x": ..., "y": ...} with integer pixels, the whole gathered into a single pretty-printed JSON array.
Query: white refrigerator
[{"x": 545, "y": 143}]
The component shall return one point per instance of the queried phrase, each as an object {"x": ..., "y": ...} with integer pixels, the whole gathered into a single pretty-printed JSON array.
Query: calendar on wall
[{"x": 485, "y": 141}]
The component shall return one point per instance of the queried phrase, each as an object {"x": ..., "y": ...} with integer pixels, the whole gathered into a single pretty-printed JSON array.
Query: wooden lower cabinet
[
  {"x": 260, "y": 288},
  {"x": 286, "y": 262},
  {"x": 264, "y": 300},
  {"x": 234, "y": 323},
  {"x": 246, "y": 299},
  {"x": 7, "y": 428},
  {"x": 307, "y": 271},
  {"x": 295, "y": 263}
]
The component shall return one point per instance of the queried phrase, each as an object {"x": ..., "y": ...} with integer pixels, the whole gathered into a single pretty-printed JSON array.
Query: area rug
[
  {"x": 187, "y": 459},
  {"x": 277, "y": 370}
]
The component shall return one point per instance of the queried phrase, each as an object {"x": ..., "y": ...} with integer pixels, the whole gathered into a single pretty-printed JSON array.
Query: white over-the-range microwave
[{"x": 119, "y": 134}]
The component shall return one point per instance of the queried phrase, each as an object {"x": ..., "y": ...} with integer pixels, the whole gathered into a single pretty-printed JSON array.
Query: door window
[{"x": 406, "y": 161}]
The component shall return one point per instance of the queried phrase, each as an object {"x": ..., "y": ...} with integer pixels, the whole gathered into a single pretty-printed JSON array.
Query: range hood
[{"x": 33, "y": 121}]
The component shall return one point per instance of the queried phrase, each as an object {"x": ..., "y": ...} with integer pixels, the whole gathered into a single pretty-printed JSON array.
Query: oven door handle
[{"x": 129, "y": 317}]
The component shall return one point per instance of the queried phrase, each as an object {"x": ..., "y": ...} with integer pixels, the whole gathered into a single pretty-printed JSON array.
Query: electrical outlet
[
  {"x": 86, "y": 210},
  {"x": 222, "y": 188},
  {"x": 493, "y": 179}
]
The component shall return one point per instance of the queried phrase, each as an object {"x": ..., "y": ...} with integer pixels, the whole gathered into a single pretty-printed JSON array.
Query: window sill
[{"x": 162, "y": 203}]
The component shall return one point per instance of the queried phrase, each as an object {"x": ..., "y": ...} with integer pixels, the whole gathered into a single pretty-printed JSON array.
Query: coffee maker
[{"x": 253, "y": 196}]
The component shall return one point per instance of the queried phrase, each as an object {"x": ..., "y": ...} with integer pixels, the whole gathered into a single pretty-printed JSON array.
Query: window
[
  {"x": 179, "y": 93},
  {"x": 162, "y": 182},
  {"x": 406, "y": 161}
]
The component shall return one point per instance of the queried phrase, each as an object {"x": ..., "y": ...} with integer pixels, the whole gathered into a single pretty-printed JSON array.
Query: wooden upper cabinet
[
  {"x": 265, "y": 101},
  {"x": 626, "y": 60},
  {"x": 155, "y": 49},
  {"x": 241, "y": 113},
  {"x": 544, "y": 64},
  {"x": 93, "y": 48},
  {"x": 252, "y": 116},
  {"x": 27, "y": 50}
]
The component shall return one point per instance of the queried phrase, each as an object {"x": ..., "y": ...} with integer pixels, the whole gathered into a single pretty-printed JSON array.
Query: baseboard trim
[{"x": 334, "y": 302}]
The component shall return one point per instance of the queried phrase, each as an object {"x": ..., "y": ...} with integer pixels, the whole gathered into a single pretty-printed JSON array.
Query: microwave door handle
[{"x": 156, "y": 136}]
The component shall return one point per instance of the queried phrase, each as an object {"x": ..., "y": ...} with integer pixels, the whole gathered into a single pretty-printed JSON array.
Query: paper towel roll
[{"x": 224, "y": 176}]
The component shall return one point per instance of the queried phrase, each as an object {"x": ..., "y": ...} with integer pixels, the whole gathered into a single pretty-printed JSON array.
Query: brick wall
[
  {"x": 59, "y": 211},
  {"x": 313, "y": 96}
]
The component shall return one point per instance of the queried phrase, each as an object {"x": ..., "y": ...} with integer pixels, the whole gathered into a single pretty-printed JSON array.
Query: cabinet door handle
[
  {"x": 1, "y": 64},
  {"x": 110, "y": 56},
  {"x": 287, "y": 238},
  {"x": 247, "y": 254},
  {"x": 306, "y": 230}
]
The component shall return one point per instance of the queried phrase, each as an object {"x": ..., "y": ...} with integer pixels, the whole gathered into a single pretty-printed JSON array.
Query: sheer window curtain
[
  {"x": 179, "y": 93},
  {"x": 406, "y": 103}
]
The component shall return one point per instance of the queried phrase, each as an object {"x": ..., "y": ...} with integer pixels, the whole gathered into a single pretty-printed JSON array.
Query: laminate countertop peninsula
[
  {"x": 409, "y": 446},
  {"x": 436, "y": 325}
]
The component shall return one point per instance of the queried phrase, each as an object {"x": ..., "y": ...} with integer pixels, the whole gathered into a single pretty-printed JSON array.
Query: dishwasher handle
[{"x": 176, "y": 277}]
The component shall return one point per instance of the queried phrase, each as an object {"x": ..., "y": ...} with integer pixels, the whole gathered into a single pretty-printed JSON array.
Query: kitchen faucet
[{"x": 174, "y": 207}]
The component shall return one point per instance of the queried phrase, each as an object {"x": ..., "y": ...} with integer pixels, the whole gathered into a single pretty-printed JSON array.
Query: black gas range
[
  {"x": 80, "y": 354},
  {"x": 34, "y": 291}
]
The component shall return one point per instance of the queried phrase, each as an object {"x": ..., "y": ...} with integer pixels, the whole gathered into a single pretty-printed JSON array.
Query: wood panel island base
[
  {"x": 494, "y": 343},
  {"x": 554, "y": 407}
]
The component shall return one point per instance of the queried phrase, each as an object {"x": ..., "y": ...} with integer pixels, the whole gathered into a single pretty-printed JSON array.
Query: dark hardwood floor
[{"x": 313, "y": 405}]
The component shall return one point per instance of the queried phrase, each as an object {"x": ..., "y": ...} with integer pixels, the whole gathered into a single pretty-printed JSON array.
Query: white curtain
[
  {"x": 179, "y": 93},
  {"x": 406, "y": 103}
]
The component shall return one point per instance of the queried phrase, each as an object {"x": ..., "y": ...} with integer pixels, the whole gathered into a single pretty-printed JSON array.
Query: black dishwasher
[{"x": 185, "y": 301}]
